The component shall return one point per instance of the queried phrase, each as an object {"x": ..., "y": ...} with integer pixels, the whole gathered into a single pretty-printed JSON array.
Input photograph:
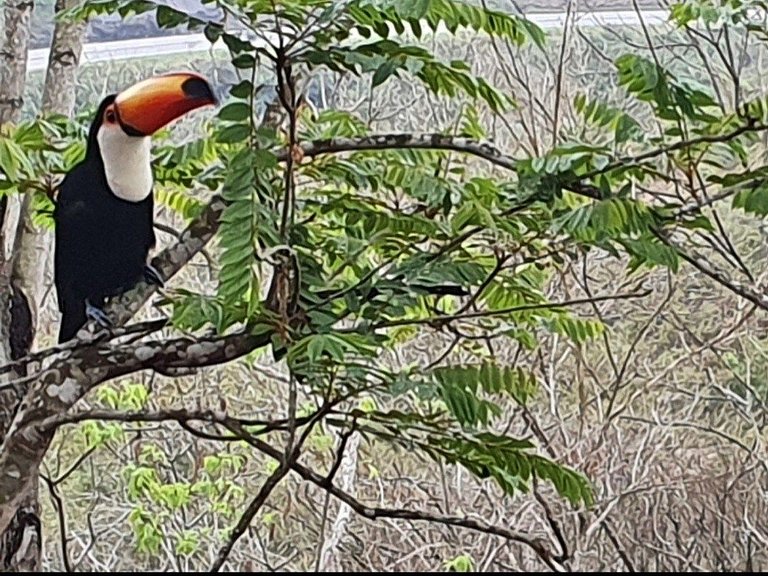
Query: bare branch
[
  {"x": 175, "y": 414},
  {"x": 439, "y": 320},
  {"x": 703, "y": 265},
  {"x": 375, "y": 513},
  {"x": 58, "y": 505},
  {"x": 253, "y": 508}
]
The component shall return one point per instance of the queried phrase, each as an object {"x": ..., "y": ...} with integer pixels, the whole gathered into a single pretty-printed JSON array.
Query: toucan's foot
[
  {"x": 152, "y": 276},
  {"x": 97, "y": 315}
]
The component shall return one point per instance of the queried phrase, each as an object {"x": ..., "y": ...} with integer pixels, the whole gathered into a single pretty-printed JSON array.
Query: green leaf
[
  {"x": 244, "y": 61},
  {"x": 238, "y": 231},
  {"x": 147, "y": 531},
  {"x": 462, "y": 563},
  {"x": 187, "y": 543},
  {"x": 233, "y": 134},
  {"x": 213, "y": 32},
  {"x": 453, "y": 14},
  {"x": 13, "y": 159},
  {"x": 383, "y": 72},
  {"x": 235, "y": 112},
  {"x": 509, "y": 462},
  {"x": 489, "y": 377},
  {"x": 577, "y": 329},
  {"x": 141, "y": 481},
  {"x": 180, "y": 202},
  {"x": 168, "y": 17},
  {"x": 754, "y": 200},
  {"x": 242, "y": 89}
]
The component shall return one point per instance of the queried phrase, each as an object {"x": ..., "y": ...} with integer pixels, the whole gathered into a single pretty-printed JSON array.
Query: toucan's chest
[
  {"x": 122, "y": 225},
  {"x": 101, "y": 227},
  {"x": 102, "y": 242}
]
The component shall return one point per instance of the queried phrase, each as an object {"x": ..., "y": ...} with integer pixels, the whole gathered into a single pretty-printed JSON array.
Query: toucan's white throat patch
[{"x": 127, "y": 162}]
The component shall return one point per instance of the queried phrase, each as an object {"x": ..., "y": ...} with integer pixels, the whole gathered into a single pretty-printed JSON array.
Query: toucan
[{"x": 104, "y": 208}]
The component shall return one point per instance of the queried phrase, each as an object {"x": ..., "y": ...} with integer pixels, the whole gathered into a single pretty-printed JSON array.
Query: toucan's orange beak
[{"x": 149, "y": 105}]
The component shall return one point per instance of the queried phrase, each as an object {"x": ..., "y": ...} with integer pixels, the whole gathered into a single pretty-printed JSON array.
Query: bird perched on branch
[{"x": 105, "y": 209}]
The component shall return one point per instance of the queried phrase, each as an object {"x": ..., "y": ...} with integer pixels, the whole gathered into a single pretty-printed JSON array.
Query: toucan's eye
[{"x": 110, "y": 116}]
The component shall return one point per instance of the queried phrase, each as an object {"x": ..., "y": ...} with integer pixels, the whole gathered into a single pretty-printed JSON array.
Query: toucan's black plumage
[
  {"x": 104, "y": 214},
  {"x": 102, "y": 241}
]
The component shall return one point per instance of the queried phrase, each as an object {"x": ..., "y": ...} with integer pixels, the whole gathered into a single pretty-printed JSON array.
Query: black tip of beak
[{"x": 198, "y": 89}]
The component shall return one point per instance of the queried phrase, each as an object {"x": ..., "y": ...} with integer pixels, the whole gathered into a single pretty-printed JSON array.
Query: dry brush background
[{"x": 666, "y": 414}]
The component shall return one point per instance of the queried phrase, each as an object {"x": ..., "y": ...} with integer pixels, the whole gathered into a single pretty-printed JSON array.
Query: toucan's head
[
  {"x": 125, "y": 122},
  {"x": 149, "y": 105}
]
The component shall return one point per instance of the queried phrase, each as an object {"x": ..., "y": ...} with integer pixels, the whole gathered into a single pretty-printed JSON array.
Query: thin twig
[
  {"x": 438, "y": 320},
  {"x": 58, "y": 505}
]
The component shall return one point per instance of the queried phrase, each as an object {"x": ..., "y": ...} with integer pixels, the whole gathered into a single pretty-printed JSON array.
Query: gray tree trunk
[
  {"x": 32, "y": 248},
  {"x": 61, "y": 76},
  {"x": 20, "y": 543},
  {"x": 13, "y": 71},
  {"x": 13, "y": 58}
]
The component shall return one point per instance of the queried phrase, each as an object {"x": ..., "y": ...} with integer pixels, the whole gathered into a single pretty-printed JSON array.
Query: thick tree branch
[
  {"x": 13, "y": 58},
  {"x": 3, "y": 212},
  {"x": 68, "y": 378},
  {"x": 477, "y": 148},
  {"x": 138, "y": 328},
  {"x": 173, "y": 415}
]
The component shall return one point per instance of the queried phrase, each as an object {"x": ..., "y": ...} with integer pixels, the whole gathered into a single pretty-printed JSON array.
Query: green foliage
[
  {"x": 509, "y": 463},
  {"x": 754, "y": 201},
  {"x": 238, "y": 231},
  {"x": 672, "y": 97},
  {"x": 623, "y": 127},
  {"x": 183, "y": 172},
  {"x": 607, "y": 219},
  {"x": 386, "y": 58},
  {"x": 125, "y": 396},
  {"x": 461, "y": 388},
  {"x": 712, "y": 12},
  {"x": 146, "y": 530},
  {"x": 157, "y": 497},
  {"x": 577, "y": 329},
  {"x": 32, "y": 155},
  {"x": 192, "y": 311},
  {"x": 361, "y": 255},
  {"x": 97, "y": 434},
  {"x": 461, "y": 563},
  {"x": 180, "y": 202}
]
